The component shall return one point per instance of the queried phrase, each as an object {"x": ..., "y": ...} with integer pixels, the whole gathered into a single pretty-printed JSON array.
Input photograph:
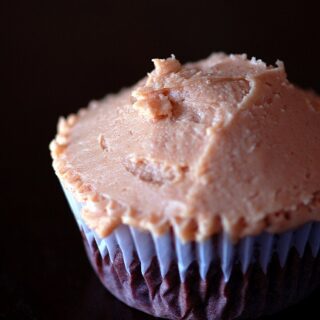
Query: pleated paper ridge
[{"x": 168, "y": 247}]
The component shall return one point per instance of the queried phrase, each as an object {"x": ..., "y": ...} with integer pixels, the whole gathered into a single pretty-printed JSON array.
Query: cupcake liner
[
  {"x": 212, "y": 279},
  {"x": 168, "y": 247}
]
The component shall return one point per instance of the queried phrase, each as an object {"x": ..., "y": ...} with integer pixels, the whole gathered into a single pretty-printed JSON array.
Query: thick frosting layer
[{"x": 225, "y": 143}]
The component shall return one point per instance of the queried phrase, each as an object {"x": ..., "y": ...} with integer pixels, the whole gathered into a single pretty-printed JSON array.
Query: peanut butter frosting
[{"x": 223, "y": 144}]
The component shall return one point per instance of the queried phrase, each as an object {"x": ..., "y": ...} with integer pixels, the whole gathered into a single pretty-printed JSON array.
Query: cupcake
[{"x": 197, "y": 190}]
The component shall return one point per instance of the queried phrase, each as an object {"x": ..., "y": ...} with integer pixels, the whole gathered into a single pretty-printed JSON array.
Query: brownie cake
[{"x": 197, "y": 191}]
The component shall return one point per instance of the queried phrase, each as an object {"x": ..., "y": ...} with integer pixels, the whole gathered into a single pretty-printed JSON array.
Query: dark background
[{"x": 55, "y": 57}]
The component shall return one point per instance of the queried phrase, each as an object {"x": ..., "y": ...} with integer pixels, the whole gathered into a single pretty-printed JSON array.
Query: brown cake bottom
[{"x": 248, "y": 295}]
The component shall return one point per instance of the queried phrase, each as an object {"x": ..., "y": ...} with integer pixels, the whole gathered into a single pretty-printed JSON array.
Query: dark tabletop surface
[{"x": 55, "y": 57}]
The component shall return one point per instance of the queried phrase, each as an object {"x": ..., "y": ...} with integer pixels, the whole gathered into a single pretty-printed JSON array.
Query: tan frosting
[{"x": 225, "y": 143}]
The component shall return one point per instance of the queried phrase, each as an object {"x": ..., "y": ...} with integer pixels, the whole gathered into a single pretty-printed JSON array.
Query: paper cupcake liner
[
  {"x": 168, "y": 247},
  {"x": 252, "y": 259}
]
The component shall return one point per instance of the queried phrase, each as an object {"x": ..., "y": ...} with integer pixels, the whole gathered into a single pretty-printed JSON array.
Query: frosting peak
[
  {"x": 225, "y": 143},
  {"x": 152, "y": 98},
  {"x": 165, "y": 66}
]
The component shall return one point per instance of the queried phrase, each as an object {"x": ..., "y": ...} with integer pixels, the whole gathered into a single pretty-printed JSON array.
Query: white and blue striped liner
[{"x": 168, "y": 248}]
